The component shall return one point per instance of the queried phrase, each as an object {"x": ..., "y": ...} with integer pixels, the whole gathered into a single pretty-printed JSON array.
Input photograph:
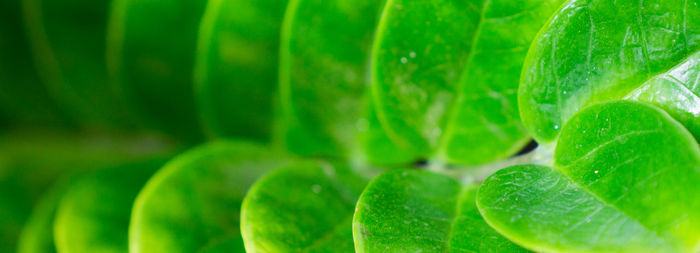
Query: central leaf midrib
[
  {"x": 658, "y": 234},
  {"x": 453, "y": 107},
  {"x": 458, "y": 209}
]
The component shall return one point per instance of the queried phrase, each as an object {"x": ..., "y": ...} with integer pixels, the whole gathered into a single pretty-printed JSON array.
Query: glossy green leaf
[
  {"x": 626, "y": 180},
  {"x": 324, "y": 74},
  {"x": 23, "y": 98},
  {"x": 68, "y": 39},
  {"x": 37, "y": 233},
  {"x": 675, "y": 92},
  {"x": 93, "y": 216},
  {"x": 600, "y": 50},
  {"x": 304, "y": 207},
  {"x": 31, "y": 162},
  {"x": 419, "y": 211},
  {"x": 445, "y": 75},
  {"x": 150, "y": 55},
  {"x": 193, "y": 203},
  {"x": 236, "y": 68}
]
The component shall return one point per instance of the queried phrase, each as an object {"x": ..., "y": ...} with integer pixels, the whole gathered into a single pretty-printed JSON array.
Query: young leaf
[
  {"x": 236, "y": 67},
  {"x": 304, "y": 207},
  {"x": 93, "y": 215},
  {"x": 150, "y": 54},
  {"x": 193, "y": 203},
  {"x": 68, "y": 42},
  {"x": 626, "y": 180},
  {"x": 600, "y": 50},
  {"x": 445, "y": 75},
  {"x": 19, "y": 80},
  {"x": 419, "y": 211}
]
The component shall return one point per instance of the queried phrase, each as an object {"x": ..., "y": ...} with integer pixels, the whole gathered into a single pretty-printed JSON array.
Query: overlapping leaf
[
  {"x": 445, "y": 75},
  {"x": 303, "y": 207},
  {"x": 410, "y": 211},
  {"x": 151, "y": 53},
  {"x": 236, "y": 68},
  {"x": 600, "y": 50},
  {"x": 626, "y": 180},
  {"x": 68, "y": 39},
  {"x": 193, "y": 203},
  {"x": 93, "y": 215}
]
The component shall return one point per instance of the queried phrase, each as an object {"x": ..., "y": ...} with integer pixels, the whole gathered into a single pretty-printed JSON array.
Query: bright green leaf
[
  {"x": 193, "y": 203},
  {"x": 304, "y": 207},
  {"x": 93, "y": 216},
  {"x": 419, "y": 211},
  {"x": 600, "y": 50},
  {"x": 236, "y": 68},
  {"x": 626, "y": 181},
  {"x": 324, "y": 74},
  {"x": 150, "y": 54},
  {"x": 446, "y": 72}
]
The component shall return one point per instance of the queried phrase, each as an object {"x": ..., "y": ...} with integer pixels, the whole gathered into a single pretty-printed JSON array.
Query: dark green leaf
[
  {"x": 151, "y": 52},
  {"x": 626, "y": 180},
  {"x": 31, "y": 162},
  {"x": 23, "y": 98},
  {"x": 419, "y": 211},
  {"x": 68, "y": 41},
  {"x": 304, "y": 207},
  {"x": 236, "y": 69}
]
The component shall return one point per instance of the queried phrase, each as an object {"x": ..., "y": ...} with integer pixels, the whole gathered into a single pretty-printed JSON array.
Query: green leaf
[
  {"x": 445, "y": 75},
  {"x": 304, "y": 207},
  {"x": 31, "y": 162},
  {"x": 324, "y": 74},
  {"x": 151, "y": 53},
  {"x": 626, "y": 180},
  {"x": 675, "y": 92},
  {"x": 193, "y": 203},
  {"x": 93, "y": 216},
  {"x": 68, "y": 42},
  {"x": 600, "y": 50},
  {"x": 18, "y": 76},
  {"x": 37, "y": 233},
  {"x": 420, "y": 211},
  {"x": 236, "y": 67}
]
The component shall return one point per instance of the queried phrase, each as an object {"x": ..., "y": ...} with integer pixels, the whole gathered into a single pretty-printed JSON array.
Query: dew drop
[
  {"x": 404, "y": 60},
  {"x": 596, "y": 172},
  {"x": 556, "y": 126},
  {"x": 412, "y": 54}
]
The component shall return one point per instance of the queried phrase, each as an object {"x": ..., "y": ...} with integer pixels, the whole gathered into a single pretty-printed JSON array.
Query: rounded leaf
[
  {"x": 303, "y": 207},
  {"x": 193, "y": 203},
  {"x": 446, "y": 72},
  {"x": 626, "y": 181},
  {"x": 419, "y": 211},
  {"x": 236, "y": 67},
  {"x": 601, "y": 50}
]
